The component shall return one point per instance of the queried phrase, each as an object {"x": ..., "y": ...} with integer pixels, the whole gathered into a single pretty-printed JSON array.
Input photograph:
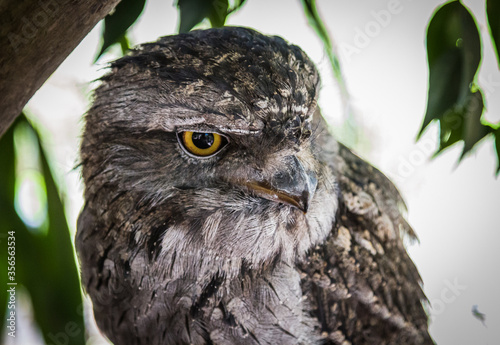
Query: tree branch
[{"x": 36, "y": 37}]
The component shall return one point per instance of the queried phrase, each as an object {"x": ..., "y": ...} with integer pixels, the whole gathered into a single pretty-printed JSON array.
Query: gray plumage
[{"x": 282, "y": 237}]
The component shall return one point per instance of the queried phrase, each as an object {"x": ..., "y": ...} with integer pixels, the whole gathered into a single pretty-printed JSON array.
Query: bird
[{"x": 219, "y": 208}]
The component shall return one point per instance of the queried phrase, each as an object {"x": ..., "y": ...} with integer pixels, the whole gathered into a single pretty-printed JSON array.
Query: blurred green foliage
[
  {"x": 118, "y": 22},
  {"x": 45, "y": 264},
  {"x": 192, "y": 12},
  {"x": 455, "y": 99}
]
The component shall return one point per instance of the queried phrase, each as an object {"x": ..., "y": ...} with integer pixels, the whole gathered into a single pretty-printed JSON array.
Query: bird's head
[{"x": 218, "y": 129}]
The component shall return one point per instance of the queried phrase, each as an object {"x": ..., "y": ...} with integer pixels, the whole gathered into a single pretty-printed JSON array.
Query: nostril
[{"x": 279, "y": 176}]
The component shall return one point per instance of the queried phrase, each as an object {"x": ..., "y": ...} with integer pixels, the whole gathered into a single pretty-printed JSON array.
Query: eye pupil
[
  {"x": 203, "y": 140},
  {"x": 201, "y": 144}
]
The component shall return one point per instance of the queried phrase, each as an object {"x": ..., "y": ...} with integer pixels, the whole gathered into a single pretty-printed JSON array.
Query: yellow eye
[{"x": 202, "y": 144}]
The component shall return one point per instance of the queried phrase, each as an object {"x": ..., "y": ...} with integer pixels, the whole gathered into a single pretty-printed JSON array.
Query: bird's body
[{"x": 279, "y": 235}]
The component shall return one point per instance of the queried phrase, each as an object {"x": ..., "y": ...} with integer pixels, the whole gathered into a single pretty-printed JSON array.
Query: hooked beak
[{"x": 294, "y": 186}]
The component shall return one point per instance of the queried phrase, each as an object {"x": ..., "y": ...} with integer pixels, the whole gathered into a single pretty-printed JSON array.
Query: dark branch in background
[{"x": 36, "y": 37}]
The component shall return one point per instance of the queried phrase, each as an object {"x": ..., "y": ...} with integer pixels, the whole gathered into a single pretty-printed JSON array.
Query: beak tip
[{"x": 294, "y": 186}]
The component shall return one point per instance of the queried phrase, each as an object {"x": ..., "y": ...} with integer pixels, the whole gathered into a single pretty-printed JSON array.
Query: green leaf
[
  {"x": 497, "y": 146},
  {"x": 463, "y": 123},
  {"x": 118, "y": 22},
  {"x": 473, "y": 130},
  {"x": 218, "y": 14},
  {"x": 124, "y": 44},
  {"x": 45, "y": 262},
  {"x": 192, "y": 12},
  {"x": 454, "y": 99},
  {"x": 235, "y": 6},
  {"x": 454, "y": 54},
  {"x": 493, "y": 15}
]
